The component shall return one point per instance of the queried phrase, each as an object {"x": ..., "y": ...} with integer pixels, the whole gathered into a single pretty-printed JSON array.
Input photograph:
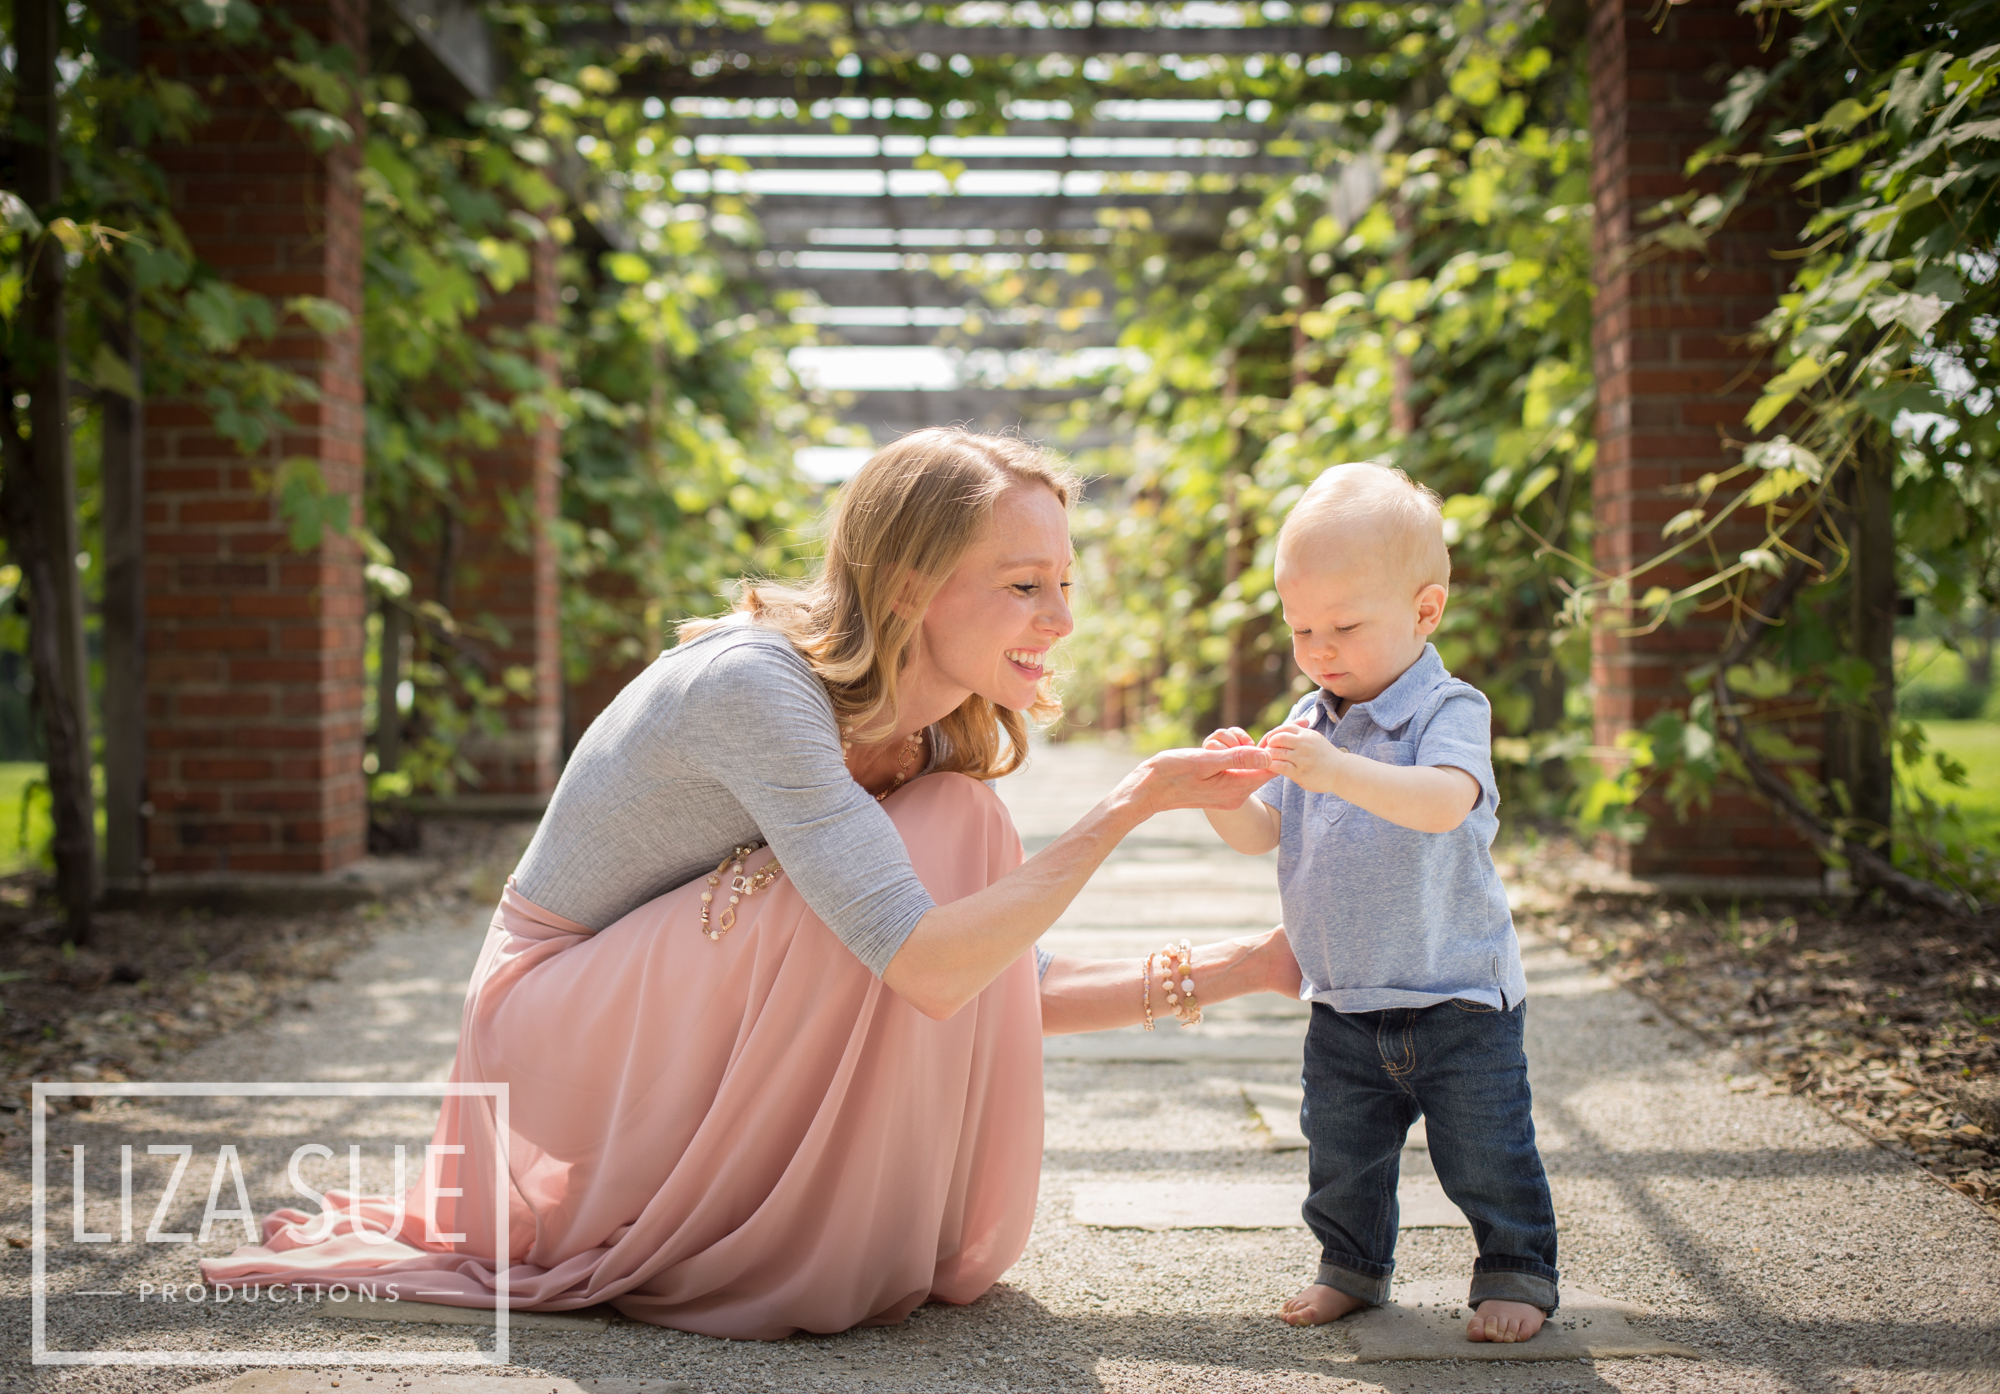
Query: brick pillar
[
  {"x": 254, "y": 650},
  {"x": 1674, "y": 374},
  {"x": 506, "y": 575}
]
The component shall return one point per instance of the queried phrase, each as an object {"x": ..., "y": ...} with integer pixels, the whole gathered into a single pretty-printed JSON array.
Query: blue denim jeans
[{"x": 1368, "y": 1077}]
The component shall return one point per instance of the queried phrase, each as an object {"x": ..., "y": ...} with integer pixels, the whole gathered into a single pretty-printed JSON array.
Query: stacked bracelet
[
  {"x": 1146, "y": 991},
  {"x": 1179, "y": 962}
]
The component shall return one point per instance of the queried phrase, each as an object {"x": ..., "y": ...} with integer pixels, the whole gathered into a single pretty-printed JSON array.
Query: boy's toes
[
  {"x": 1504, "y": 1323},
  {"x": 1315, "y": 1305}
]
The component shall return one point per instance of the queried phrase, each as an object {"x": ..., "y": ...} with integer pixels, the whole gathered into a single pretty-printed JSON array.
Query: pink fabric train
[{"x": 747, "y": 1138}]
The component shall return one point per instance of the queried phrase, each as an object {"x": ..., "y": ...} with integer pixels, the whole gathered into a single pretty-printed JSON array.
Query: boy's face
[{"x": 1356, "y": 629}]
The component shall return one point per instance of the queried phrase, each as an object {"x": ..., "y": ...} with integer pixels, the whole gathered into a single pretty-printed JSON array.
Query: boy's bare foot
[
  {"x": 1318, "y": 1304},
  {"x": 1505, "y": 1322}
]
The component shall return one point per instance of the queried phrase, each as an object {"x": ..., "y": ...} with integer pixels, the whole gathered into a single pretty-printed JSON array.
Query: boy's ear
[{"x": 1430, "y": 607}]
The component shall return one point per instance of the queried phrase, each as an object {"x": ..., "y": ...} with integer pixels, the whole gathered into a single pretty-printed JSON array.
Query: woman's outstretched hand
[
  {"x": 959, "y": 947},
  {"x": 1209, "y": 778}
]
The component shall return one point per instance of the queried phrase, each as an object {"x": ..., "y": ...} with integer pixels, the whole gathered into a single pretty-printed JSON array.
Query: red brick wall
[
  {"x": 254, "y": 650},
  {"x": 506, "y": 577},
  {"x": 1674, "y": 375}
]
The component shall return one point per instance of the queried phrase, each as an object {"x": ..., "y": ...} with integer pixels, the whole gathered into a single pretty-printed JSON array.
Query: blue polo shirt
[{"x": 1384, "y": 916}]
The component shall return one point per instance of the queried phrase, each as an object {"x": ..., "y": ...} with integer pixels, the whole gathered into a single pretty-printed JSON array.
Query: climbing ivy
[
  {"x": 1883, "y": 121},
  {"x": 1421, "y": 298},
  {"x": 678, "y": 417}
]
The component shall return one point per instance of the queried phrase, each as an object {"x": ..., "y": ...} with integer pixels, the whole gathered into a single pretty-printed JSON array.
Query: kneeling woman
[{"x": 764, "y": 988}]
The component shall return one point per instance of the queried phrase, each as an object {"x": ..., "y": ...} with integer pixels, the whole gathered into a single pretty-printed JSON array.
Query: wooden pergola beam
[
  {"x": 909, "y": 288},
  {"x": 806, "y": 83},
  {"x": 1164, "y": 164},
  {"x": 906, "y": 42},
  {"x": 1034, "y": 412},
  {"x": 1093, "y": 334},
  {"x": 1232, "y": 129},
  {"x": 788, "y": 217}
]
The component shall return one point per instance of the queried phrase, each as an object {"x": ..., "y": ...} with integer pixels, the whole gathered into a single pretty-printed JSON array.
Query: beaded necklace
[{"x": 742, "y": 887}]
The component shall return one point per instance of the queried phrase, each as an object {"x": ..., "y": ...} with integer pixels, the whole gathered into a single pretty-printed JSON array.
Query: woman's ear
[
  {"x": 912, "y": 596},
  {"x": 1430, "y": 607}
]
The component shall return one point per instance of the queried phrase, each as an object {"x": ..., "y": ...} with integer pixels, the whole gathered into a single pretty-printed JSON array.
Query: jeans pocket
[{"x": 1466, "y": 1004}]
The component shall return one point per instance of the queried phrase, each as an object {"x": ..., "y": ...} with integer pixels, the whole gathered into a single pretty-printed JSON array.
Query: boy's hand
[
  {"x": 1251, "y": 828},
  {"x": 1304, "y": 756}
]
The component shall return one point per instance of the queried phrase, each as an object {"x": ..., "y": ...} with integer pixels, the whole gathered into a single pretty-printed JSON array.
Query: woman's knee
[{"x": 957, "y": 831}]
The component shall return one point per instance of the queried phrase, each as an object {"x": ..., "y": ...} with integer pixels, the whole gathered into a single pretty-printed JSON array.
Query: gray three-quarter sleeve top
[{"x": 726, "y": 740}]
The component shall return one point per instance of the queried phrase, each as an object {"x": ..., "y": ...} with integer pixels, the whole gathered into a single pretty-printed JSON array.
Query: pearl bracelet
[{"x": 1179, "y": 962}]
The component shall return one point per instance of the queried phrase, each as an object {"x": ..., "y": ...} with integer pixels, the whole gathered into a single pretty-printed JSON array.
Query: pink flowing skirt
[{"x": 748, "y": 1138}]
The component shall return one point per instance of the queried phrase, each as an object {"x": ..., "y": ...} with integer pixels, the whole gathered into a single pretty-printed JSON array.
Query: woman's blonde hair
[{"x": 900, "y": 528}]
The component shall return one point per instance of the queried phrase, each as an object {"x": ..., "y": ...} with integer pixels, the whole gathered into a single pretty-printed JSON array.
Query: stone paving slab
[{"x": 1426, "y": 1321}]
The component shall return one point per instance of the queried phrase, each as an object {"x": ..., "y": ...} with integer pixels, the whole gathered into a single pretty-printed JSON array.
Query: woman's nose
[{"x": 1056, "y": 617}]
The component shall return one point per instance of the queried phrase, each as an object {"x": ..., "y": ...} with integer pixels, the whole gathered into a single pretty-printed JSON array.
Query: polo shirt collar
[{"x": 1398, "y": 702}]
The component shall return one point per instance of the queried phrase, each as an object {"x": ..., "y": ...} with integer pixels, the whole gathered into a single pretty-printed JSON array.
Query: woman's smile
[{"x": 1027, "y": 661}]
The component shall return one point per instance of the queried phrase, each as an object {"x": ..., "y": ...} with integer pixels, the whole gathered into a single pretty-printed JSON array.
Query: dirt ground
[
  {"x": 1887, "y": 1018},
  {"x": 152, "y": 985}
]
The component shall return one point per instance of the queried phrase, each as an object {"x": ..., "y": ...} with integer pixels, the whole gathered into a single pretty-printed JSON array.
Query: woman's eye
[
  {"x": 1026, "y": 587},
  {"x": 1347, "y": 629}
]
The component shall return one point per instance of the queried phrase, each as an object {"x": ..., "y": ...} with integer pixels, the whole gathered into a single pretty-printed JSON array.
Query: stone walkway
[{"x": 1792, "y": 1253}]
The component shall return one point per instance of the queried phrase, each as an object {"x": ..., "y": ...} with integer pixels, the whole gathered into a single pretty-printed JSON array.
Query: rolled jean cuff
[
  {"x": 1372, "y": 1290},
  {"x": 1506, "y": 1286}
]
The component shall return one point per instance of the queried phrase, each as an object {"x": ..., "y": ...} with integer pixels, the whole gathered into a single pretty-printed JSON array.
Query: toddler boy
[{"x": 1384, "y": 819}]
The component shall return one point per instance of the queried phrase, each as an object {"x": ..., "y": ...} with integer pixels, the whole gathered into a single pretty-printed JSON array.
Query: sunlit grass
[
  {"x": 21, "y": 843},
  {"x": 1975, "y": 745}
]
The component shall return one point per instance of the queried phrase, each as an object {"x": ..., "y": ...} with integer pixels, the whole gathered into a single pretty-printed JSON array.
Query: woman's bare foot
[
  {"x": 1505, "y": 1322},
  {"x": 1318, "y": 1304}
]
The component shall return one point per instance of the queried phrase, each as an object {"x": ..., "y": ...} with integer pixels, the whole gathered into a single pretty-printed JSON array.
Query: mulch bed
[
  {"x": 150, "y": 986},
  {"x": 1889, "y": 1019}
]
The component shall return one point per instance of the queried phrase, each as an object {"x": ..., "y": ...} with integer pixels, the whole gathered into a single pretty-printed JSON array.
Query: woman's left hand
[{"x": 1102, "y": 994}]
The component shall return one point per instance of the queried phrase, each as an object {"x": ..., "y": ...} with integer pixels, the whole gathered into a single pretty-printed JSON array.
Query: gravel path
[{"x": 1797, "y": 1254}]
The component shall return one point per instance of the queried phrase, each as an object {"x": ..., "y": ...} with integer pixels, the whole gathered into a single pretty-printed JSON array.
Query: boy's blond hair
[{"x": 1355, "y": 512}]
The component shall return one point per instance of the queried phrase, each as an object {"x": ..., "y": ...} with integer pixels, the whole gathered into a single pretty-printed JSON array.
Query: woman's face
[{"x": 990, "y": 629}]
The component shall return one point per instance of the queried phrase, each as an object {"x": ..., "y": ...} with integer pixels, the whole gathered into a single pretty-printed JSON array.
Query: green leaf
[
  {"x": 1533, "y": 486},
  {"x": 629, "y": 267},
  {"x": 1683, "y": 520},
  {"x": 1916, "y": 313},
  {"x": 1780, "y": 390},
  {"x": 323, "y": 86},
  {"x": 1762, "y": 679},
  {"x": 1911, "y": 93},
  {"x": 109, "y": 372},
  {"x": 327, "y": 317},
  {"x": 16, "y": 216},
  {"x": 322, "y": 129}
]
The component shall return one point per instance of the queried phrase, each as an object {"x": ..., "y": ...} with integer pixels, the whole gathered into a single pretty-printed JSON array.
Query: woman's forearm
[
  {"x": 1102, "y": 994},
  {"x": 958, "y": 948}
]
